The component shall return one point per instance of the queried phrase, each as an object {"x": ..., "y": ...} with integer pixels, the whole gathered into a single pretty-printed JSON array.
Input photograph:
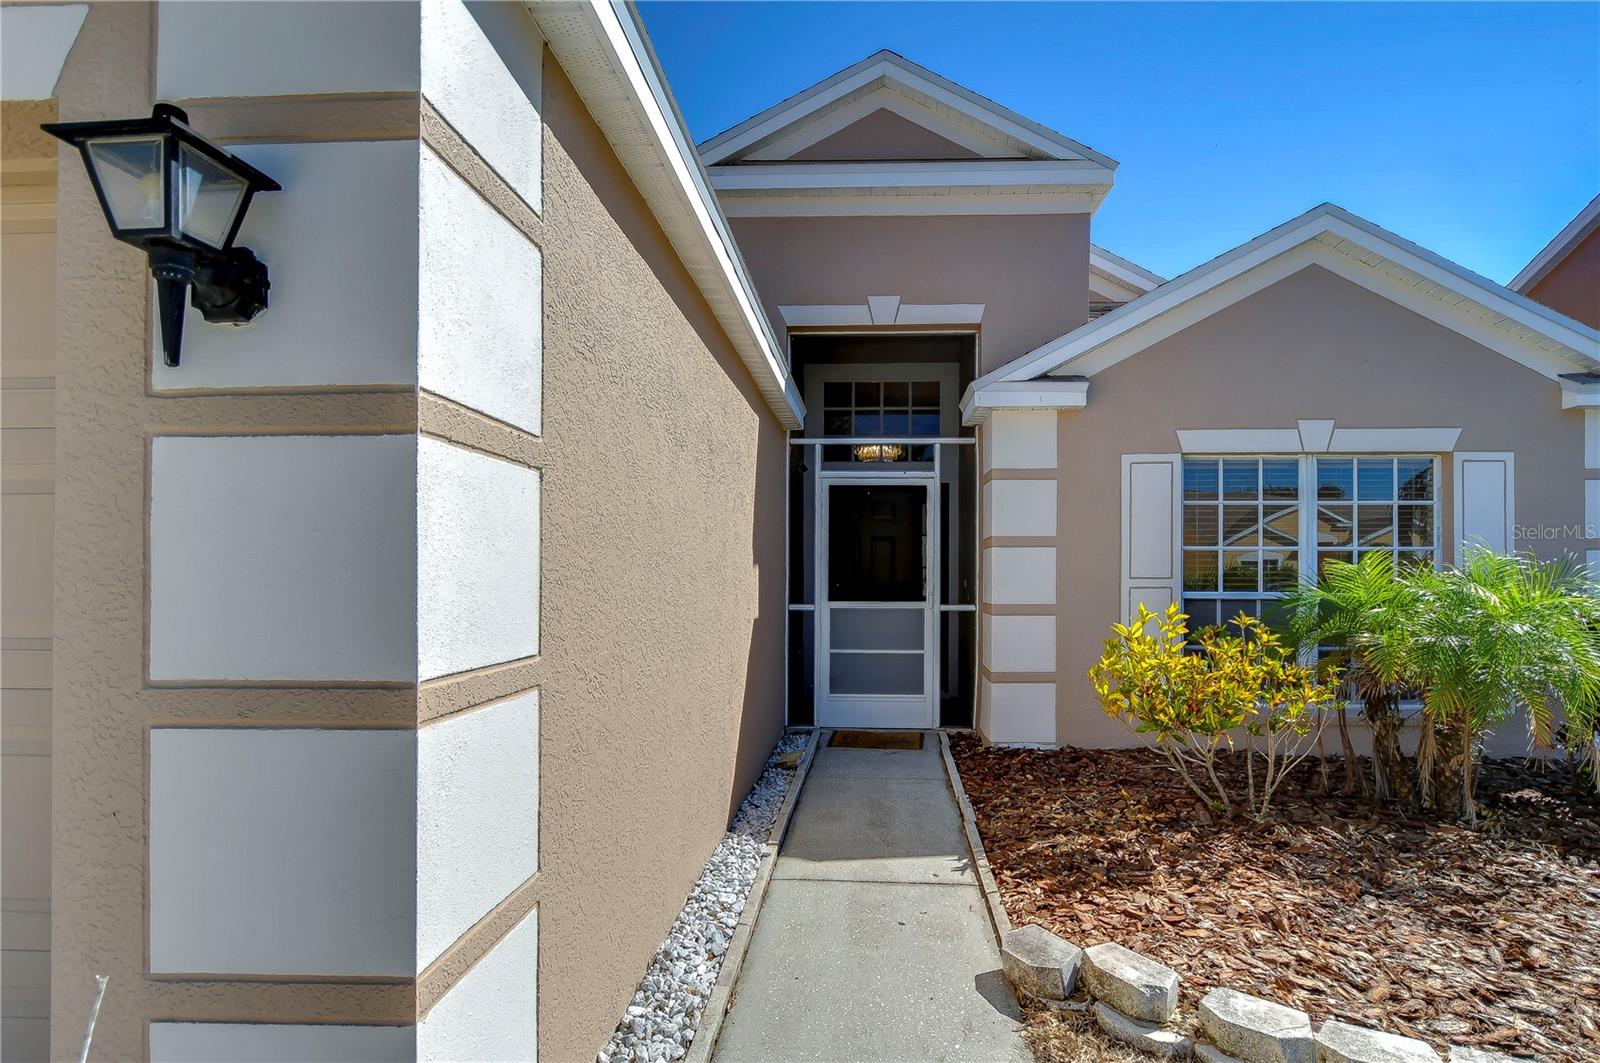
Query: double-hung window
[{"x": 1253, "y": 525}]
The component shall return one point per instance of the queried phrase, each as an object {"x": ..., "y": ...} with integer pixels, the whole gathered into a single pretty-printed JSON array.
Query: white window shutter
[
  {"x": 1152, "y": 501},
  {"x": 1485, "y": 490}
]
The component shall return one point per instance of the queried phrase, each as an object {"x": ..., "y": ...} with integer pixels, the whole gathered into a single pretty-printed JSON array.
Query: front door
[{"x": 876, "y": 612}]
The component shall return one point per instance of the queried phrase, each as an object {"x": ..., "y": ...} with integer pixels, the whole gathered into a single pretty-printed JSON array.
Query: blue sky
[{"x": 1473, "y": 129}]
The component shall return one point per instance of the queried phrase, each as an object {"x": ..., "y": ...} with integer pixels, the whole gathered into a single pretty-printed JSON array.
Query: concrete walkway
[{"x": 873, "y": 943}]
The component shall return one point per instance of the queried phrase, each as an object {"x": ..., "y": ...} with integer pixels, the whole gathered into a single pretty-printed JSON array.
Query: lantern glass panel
[
  {"x": 129, "y": 173},
  {"x": 209, "y": 198}
]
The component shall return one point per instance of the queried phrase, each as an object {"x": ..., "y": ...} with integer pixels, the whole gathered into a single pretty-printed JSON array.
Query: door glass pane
[
  {"x": 875, "y": 673},
  {"x": 876, "y": 543},
  {"x": 876, "y": 629}
]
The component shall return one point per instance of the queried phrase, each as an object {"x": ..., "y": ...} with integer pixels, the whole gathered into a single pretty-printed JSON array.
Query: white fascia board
[
  {"x": 1442, "y": 271},
  {"x": 919, "y": 79},
  {"x": 1123, "y": 272},
  {"x": 1552, "y": 253},
  {"x": 883, "y": 202},
  {"x": 978, "y": 403},
  {"x": 1300, "y": 235},
  {"x": 605, "y": 52},
  {"x": 971, "y": 173},
  {"x": 34, "y": 42},
  {"x": 1580, "y": 394}
]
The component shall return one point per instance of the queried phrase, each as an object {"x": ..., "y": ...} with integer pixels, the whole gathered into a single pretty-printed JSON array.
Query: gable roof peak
[
  {"x": 888, "y": 69},
  {"x": 1330, "y": 236}
]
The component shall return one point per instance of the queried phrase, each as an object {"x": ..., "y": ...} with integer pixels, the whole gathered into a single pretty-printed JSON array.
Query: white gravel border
[{"x": 675, "y": 998}]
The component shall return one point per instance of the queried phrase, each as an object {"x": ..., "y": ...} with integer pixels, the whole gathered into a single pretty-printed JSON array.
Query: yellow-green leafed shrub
[{"x": 1235, "y": 686}]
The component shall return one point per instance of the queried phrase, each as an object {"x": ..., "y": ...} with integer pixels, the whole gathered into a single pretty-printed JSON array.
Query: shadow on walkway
[{"x": 873, "y": 943}]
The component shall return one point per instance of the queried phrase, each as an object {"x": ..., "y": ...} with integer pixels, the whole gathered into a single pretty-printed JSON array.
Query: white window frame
[{"x": 1307, "y": 547}]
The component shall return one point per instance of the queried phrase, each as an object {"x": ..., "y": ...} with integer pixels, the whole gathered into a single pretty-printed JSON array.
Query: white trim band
[
  {"x": 1024, "y": 395},
  {"x": 1317, "y": 437},
  {"x": 882, "y": 310}
]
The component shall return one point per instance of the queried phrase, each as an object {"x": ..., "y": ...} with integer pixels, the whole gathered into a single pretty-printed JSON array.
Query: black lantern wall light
[{"x": 180, "y": 199}]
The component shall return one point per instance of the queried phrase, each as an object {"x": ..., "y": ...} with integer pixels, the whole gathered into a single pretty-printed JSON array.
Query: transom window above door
[
  {"x": 1253, "y": 525},
  {"x": 887, "y": 409}
]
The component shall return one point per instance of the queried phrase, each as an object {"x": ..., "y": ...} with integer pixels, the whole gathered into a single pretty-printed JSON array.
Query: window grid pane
[
  {"x": 892, "y": 408},
  {"x": 1381, "y": 505},
  {"x": 1241, "y": 532}
]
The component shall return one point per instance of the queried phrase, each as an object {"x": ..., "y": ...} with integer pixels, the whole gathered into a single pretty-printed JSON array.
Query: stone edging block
[
  {"x": 1135, "y": 985},
  {"x": 1145, "y": 1036},
  {"x": 1256, "y": 1030}
]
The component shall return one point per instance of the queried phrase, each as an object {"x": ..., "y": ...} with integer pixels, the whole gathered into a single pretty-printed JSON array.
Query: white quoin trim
[
  {"x": 1025, "y": 395},
  {"x": 34, "y": 42},
  {"x": 1317, "y": 437}
]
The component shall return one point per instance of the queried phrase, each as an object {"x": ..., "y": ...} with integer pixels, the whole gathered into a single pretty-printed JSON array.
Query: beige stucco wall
[
  {"x": 883, "y": 135},
  {"x": 1031, "y": 272},
  {"x": 1573, "y": 286},
  {"x": 663, "y": 584},
  {"x": 1310, "y": 346}
]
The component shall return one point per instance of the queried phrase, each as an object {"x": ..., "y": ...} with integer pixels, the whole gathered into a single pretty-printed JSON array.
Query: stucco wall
[
  {"x": 1031, "y": 272},
  {"x": 1310, "y": 346},
  {"x": 662, "y": 596},
  {"x": 1573, "y": 287}
]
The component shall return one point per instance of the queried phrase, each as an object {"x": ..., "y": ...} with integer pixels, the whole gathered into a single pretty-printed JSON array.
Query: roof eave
[
  {"x": 605, "y": 51},
  {"x": 1551, "y": 255},
  {"x": 1058, "y": 354}
]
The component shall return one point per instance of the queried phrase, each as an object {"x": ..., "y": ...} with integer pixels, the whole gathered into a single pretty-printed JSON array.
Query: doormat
[{"x": 877, "y": 739}]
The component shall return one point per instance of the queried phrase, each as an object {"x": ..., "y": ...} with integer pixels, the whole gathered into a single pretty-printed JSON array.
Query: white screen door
[{"x": 877, "y": 631}]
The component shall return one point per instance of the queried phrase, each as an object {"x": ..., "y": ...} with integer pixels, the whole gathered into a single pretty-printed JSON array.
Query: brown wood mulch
[{"x": 1487, "y": 937}]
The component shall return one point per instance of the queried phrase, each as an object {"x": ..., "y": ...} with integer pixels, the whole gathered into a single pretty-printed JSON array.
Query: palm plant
[
  {"x": 1368, "y": 614},
  {"x": 1496, "y": 634}
]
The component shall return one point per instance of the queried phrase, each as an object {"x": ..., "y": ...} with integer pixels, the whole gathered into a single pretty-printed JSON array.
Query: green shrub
[{"x": 1235, "y": 687}]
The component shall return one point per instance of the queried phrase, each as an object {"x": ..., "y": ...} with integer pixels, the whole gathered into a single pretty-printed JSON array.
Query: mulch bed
[{"x": 1487, "y": 937}]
